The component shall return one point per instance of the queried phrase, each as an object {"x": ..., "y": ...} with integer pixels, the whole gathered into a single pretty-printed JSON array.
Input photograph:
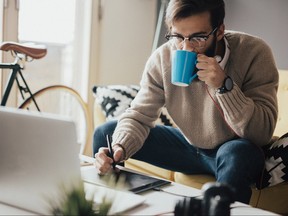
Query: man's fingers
[
  {"x": 103, "y": 162},
  {"x": 118, "y": 155}
]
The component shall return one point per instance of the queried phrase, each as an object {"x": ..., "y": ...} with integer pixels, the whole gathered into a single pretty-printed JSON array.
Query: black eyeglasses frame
[{"x": 169, "y": 36}]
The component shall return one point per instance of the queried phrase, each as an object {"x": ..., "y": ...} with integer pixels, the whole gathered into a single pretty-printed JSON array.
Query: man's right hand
[{"x": 104, "y": 163}]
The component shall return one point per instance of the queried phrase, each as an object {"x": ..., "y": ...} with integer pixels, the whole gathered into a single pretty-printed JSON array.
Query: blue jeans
[{"x": 237, "y": 163}]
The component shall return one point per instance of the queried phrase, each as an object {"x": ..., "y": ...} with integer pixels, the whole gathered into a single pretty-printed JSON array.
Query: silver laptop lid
[{"x": 38, "y": 155}]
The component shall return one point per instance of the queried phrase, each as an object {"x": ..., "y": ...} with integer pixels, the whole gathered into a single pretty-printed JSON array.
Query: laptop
[{"x": 39, "y": 155}]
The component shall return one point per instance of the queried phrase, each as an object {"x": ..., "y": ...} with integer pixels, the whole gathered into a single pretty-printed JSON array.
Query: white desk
[
  {"x": 161, "y": 202},
  {"x": 9, "y": 210},
  {"x": 158, "y": 202}
]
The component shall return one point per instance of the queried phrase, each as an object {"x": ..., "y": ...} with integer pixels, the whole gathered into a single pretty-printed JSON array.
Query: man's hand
[
  {"x": 210, "y": 71},
  {"x": 103, "y": 162}
]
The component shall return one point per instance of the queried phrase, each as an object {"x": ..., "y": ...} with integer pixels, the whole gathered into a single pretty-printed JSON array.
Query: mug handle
[{"x": 195, "y": 75}]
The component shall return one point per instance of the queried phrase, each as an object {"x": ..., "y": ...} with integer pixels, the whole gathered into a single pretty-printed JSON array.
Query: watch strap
[{"x": 226, "y": 86}]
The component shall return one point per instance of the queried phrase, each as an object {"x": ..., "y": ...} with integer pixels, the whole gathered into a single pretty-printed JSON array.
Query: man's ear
[{"x": 220, "y": 32}]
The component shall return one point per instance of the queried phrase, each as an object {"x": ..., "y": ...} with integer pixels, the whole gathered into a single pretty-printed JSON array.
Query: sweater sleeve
[
  {"x": 250, "y": 108},
  {"x": 135, "y": 123}
]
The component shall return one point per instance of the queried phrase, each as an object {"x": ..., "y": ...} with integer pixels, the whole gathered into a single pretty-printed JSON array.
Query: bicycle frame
[{"x": 15, "y": 69}]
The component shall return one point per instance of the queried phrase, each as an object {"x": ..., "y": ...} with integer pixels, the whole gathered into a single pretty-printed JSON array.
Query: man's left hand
[{"x": 210, "y": 71}]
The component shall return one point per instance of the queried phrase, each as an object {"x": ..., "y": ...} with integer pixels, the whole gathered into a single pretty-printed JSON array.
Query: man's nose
[{"x": 187, "y": 46}]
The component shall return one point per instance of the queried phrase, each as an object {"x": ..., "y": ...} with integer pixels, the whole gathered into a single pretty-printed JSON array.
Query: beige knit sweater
[{"x": 250, "y": 109}]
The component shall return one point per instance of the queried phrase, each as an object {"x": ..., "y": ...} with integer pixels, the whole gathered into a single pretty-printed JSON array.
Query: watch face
[{"x": 228, "y": 84}]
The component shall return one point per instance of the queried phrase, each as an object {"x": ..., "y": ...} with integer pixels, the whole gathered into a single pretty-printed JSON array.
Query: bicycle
[{"x": 59, "y": 99}]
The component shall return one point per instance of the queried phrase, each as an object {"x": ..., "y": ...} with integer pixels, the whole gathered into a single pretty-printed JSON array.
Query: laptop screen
[{"x": 38, "y": 155}]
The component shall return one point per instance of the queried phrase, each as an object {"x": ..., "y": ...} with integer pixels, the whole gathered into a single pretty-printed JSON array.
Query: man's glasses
[{"x": 197, "y": 42}]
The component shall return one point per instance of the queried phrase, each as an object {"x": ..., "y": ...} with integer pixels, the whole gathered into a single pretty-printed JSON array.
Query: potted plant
[{"x": 74, "y": 199}]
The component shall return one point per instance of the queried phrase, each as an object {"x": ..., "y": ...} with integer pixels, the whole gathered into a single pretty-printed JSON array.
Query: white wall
[
  {"x": 265, "y": 18},
  {"x": 125, "y": 41},
  {"x": 9, "y": 33}
]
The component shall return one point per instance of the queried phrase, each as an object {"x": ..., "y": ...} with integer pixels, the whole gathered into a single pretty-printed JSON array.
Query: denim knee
[
  {"x": 99, "y": 138},
  {"x": 239, "y": 163},
  {"x": 241, "y": 158}
]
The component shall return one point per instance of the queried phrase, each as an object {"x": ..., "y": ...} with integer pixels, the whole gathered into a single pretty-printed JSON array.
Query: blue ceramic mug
[{"x": 183, "y": 67}]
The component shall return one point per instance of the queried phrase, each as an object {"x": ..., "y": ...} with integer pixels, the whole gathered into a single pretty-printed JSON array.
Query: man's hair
[{"x": 180, "y": 9}]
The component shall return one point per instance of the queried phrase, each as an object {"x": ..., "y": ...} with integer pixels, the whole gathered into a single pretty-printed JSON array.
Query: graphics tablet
[{"x": 135, "y": 182}]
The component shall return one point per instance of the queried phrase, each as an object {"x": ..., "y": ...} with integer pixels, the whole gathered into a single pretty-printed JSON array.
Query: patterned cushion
[
  {"x": 115, "y": 99},
  {"x": 276, "y": 164}
]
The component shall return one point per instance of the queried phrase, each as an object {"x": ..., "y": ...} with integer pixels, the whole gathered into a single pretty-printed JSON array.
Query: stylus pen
[{"x": 111, "y": 152}]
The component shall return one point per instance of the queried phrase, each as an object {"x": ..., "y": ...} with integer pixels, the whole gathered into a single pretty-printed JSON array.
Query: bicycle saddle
[{"x": 34, "y": 51}]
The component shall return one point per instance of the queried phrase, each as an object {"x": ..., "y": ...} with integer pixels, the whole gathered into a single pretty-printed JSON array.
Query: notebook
[
  {"x": 134, "y": 182},
  {"x": 38, "y": 155}
]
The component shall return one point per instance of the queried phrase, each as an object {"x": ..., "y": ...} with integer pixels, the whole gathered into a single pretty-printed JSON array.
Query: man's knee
[
  {"x": 240, "y": 150},
  {"x": 240, "y": 159}
]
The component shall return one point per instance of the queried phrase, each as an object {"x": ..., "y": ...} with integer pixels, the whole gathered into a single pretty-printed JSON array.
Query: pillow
[
  {"x": 276, "y": 163},
  {"x": 115, "y": 99}
]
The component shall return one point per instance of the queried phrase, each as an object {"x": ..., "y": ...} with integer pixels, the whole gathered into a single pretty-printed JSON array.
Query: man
[{"x": 223, "y": 117}]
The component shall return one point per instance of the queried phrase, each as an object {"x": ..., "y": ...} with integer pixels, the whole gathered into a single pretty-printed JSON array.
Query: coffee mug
[{"x": 183, "y": 67}]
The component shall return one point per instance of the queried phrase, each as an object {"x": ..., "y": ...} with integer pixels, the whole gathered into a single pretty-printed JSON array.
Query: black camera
[{"x": 216, "y": 201}]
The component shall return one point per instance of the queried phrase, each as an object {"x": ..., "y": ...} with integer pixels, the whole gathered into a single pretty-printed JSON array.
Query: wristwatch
[{"x": 227, "y": 85}]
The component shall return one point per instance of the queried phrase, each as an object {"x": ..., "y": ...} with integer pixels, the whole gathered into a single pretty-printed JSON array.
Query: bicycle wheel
[{"x": 64, "y": 101}]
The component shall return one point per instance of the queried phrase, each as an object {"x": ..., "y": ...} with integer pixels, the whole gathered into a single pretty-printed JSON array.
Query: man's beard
[{"x": 211, "y": 51}]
